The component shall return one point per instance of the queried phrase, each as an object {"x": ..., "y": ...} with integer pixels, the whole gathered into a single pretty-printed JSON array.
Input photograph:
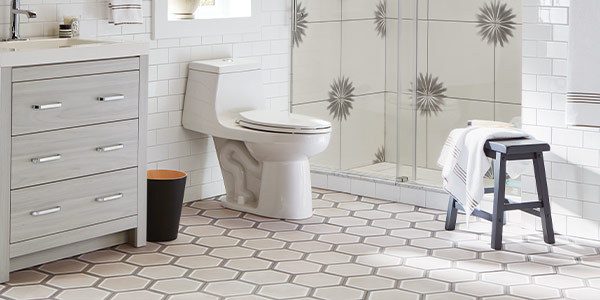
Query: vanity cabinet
[{"x": 72, "y": 159}]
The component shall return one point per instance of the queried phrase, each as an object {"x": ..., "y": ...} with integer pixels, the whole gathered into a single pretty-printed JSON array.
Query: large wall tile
[
  {"x": 316, "y": 62},
  {"x": 359, "y": 9},
  {"x": 509, "y": 113},
  {"x": 461, "y": 60},
  {"x": 363, "y": 56},
  {"x": 508, "y": 69},
  {"x": 408, "y": 9},
  {"x": 402, "y": 137},
  {"x": 407, "y": 53},
  {"x": 392, "y": 123},
  {"x": 392, "y": 8},
  {"x": 391, "y": 56},
  {"x": 322, "y": 10},
  {"x": 330, "y": 158},
  {"x": 466, "y": 10},
  {"x": 456, "y": 113},
  {"x": 363, "y": 131}
]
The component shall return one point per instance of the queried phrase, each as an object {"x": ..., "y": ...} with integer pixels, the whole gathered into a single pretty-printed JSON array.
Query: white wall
[
  {"x": 171, "y": 146},
  {"x": 573, "y": 165}
]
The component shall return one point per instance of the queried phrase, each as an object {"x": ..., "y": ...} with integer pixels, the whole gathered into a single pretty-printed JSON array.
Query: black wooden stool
[{"x": 502, "y": 151}]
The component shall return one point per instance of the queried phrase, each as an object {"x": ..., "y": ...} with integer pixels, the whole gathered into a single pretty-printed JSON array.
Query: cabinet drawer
[
  {"x": 75, "y": 69},
  {"x": 69, "y": 102},
  {"x": 56, "y": 207},
  {"x": 58, "y": 155}
]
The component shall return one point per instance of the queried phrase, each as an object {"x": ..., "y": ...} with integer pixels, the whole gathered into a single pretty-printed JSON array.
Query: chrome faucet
[{"x": 15, "y": 13}]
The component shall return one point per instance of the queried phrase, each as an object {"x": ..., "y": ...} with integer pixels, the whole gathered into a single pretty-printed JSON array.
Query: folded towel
[
  {"x": 125, "y": 12},
  {"x": 583, "y": 98},
  {"x": 464, "y": 162}
]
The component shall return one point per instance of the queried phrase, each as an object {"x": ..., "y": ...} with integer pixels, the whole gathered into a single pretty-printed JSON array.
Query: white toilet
[{"x": 263, "y": 154}]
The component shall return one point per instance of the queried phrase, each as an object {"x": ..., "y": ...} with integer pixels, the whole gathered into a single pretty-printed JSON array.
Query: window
[{"x": 183, "y": 18}]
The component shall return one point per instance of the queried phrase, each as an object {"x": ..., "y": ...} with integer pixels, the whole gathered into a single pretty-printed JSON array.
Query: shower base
[{"x": 386, "y": 170}]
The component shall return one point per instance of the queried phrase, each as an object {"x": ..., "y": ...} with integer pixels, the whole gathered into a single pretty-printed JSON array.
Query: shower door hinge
[{"x": 402, "y": 179}]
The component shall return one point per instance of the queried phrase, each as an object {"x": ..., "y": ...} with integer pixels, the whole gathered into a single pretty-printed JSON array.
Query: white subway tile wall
[
  {"x": 574, "y": 176},
  {"x": 169, "y": 145}
]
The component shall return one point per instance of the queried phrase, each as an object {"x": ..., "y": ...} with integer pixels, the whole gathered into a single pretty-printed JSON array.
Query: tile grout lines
[{"x": 352, "y": 248}]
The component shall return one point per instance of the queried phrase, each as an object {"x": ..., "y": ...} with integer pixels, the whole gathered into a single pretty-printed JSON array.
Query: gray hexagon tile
[
  {"x": 453, "y": 275},
  {"x": 317, "y": 279},
  {"x": 265, "y": 277},
  {"x": 352, "y": 248}
]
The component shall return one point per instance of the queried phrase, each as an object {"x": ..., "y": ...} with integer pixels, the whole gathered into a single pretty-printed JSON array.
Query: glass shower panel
[
  {"x": 339, "y": 75},
  {"x": 402, "y": 66},
  {"x": 316, "y": 66},
  {"x": 469, "y": 67},
  {"x": 394, "y": 77}
]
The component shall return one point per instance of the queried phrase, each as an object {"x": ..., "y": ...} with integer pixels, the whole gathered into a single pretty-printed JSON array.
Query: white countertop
[{"x": 38, "y": 51}]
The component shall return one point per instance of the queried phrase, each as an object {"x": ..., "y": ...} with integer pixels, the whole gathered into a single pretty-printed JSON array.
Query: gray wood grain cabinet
[{"x": 72, "y": 159}]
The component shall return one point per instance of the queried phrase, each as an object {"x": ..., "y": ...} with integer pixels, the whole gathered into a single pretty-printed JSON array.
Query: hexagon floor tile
[{"x": 353, "y": 248}]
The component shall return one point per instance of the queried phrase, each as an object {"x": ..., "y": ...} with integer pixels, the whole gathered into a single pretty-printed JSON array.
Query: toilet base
[{"x": 285, "y": 192}]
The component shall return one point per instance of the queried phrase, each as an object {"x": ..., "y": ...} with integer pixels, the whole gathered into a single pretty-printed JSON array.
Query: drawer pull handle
[
  {"x": 46, "y": 159},
  {"x": 47, "y": 106},
  {"x": 45, "y": 211},
  {"x": 110, "y": 148},
  {"x": 110, "y": 198},
  {"x": 111, "y": 98}
]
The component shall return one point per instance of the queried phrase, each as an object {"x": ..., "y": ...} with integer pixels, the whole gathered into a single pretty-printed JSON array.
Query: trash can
[{"x": 165, "y": 198}]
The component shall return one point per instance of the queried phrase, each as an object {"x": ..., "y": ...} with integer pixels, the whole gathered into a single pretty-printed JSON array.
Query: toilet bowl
[{"x": 263, "y": 155}]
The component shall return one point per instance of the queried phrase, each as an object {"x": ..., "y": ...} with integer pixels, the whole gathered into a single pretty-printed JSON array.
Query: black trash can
[{"x": 165, "y": 198}]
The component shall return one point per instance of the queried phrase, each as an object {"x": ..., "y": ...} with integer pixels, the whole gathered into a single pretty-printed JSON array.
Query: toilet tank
[{"x": 218, "y": 90}]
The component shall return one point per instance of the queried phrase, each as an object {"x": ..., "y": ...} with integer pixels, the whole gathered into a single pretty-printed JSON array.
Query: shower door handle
[{"x": 294, "y": 15}]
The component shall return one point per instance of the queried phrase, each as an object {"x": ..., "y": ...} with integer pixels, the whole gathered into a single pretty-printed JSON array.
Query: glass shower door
[
  {"x": 394, "y": 77},
  {"x": 468, "y": 66},
  {"x": 339, "y": 74},
  {"x": 402, "y": 71}
]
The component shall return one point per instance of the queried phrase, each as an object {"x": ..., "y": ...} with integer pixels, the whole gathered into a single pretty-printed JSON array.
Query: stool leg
[
  {"x": 451, "y": 214},
  {"x": 499, "y": 196},
  {"x": 542, "y": 189}
]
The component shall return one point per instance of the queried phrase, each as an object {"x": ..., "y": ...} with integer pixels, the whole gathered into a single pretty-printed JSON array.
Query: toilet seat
[{"x": 282, "y": 122}]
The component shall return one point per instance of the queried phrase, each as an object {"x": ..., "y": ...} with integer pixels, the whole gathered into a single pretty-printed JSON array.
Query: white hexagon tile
[{"x": 352, "y": 248}]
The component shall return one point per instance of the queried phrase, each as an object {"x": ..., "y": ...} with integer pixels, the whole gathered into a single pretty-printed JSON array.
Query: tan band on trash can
[{"x": 165, "y": 174}]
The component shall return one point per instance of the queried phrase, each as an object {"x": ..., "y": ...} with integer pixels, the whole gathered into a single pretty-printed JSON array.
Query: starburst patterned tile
[
  {"x": 340, "y": 98},
  {"x": 380, "y": 21},
  {"x": 496, "y": 22},
  {"x": 430, "y": 94},
  {"x": 301, "y": 24}
]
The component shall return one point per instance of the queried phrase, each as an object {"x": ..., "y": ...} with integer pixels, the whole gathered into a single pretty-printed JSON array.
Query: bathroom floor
[{"x": 353, "y": 248}]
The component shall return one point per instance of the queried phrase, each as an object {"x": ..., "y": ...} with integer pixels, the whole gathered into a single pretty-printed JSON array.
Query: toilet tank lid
[{"x": 225, "y": 65}]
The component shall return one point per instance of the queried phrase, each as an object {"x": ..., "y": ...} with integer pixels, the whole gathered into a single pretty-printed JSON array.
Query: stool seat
[
  {"x": 516, "y": 146},
  {"x": 503, "y": 150}
]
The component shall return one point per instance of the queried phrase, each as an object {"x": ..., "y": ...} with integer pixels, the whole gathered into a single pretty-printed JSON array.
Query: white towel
[
  {"x": 583, "y": 98},
  {"x": 464, "y": 162},
  {"x": 125, "y": 12}
]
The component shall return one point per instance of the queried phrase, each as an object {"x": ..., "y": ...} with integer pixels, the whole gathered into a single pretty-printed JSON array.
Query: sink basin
[
  {"x": 48, "y": 44},
  {"x": 40, "y": 51}
]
